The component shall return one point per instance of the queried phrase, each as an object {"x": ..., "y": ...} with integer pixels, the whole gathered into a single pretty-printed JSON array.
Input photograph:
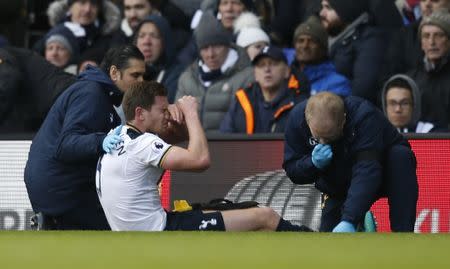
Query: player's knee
[{"x": 268, "y": 216}]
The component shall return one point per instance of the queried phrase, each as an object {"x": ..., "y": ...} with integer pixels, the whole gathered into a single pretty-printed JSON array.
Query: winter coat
[
  {"x": 288, "y": 14},
  {"x": 215, "y": 100},
  {"x": 97, "y": 35},
  {"x": 358, "y": 54},
  {"x": 30, "y": 85},
  {"x": 404, "y": 52},
  {"x": 166, "y": 70},
  {"x": 350, "y": 175},
  {"x": 249, "y": 113},
  {"x": 323, "y": 77},
  {"x": 60, "y": 171},
  {"x": 435, "y": 87}
]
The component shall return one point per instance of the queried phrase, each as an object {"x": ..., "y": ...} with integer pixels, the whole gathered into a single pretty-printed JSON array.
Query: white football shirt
[{"x": 127, "y": 182}]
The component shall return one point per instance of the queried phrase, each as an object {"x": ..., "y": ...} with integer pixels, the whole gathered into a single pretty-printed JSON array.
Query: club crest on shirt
[
  {"x": 157, "y": 146},
  {"x": 313, "y": 141}
]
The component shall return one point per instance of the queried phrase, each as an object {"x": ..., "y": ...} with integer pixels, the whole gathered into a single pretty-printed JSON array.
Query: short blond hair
[{"x": 325, "y": 109}]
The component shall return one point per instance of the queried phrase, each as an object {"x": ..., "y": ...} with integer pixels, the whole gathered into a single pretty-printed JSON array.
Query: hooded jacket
[
  {"x": 110, "y": 16},
  {"x": 60, "y": 171},
  {"x": 417, "y": 108},
  {"x": 166, "y": 70}
]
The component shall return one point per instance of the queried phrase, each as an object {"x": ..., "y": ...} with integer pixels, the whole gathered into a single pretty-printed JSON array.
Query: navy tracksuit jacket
[{"x": 363, "y": 168}]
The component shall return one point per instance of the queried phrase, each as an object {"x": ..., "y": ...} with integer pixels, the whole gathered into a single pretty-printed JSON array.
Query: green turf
[{"x": 187, "y": 250}]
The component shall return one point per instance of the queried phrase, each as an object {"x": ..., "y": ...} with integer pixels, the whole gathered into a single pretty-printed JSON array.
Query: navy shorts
[{"x": 194, "y": 220}]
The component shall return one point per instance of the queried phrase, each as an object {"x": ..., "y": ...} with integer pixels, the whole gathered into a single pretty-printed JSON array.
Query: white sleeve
[{"x": 153, "y": 150}]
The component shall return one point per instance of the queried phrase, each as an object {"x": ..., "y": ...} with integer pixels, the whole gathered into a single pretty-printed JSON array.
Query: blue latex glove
[
  {"x": 321, "y": 155},
  {"x": 112, "y": 140},
  {"x": 344, "y": 227}
]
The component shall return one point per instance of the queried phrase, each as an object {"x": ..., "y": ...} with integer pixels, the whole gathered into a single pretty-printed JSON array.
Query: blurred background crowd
[{"x": 247, "y": 61}]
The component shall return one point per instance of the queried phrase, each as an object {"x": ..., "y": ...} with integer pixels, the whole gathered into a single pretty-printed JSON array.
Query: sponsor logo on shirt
[{"x": 157, "y": 146}]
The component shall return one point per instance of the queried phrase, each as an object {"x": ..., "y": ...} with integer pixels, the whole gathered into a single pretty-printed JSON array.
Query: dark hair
[
  {"x": 120, "y": 56},
  {"x": 141, "y": 94},
  {"x": 398, "y": 83}
]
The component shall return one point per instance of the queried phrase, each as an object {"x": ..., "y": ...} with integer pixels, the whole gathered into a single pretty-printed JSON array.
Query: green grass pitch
[{"x": 185, "y": 250}]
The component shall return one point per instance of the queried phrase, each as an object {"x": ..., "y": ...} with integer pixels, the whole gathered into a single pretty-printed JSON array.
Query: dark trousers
[
  {"x": 399, "y": 186},
  {"x": 86, "y": 216}
]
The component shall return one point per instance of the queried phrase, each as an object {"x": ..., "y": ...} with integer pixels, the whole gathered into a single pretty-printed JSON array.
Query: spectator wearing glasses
[
  {"x": 402, "y": 106},
  {"x": 354, "y": 156}
]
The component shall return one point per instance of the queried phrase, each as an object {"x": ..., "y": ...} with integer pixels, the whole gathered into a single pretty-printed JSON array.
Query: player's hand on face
[
  {"x": 188, "y": 104},
  {"x": 175, "y": 114}
]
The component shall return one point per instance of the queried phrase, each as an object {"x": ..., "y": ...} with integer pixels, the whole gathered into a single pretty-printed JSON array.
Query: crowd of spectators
[{"x": 394, "y": 54}]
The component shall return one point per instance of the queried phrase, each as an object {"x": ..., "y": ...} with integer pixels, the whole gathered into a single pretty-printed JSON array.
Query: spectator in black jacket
[
  {"x": 405, "y": 51},
  {"x": 432, "y": 75},
  {"x": 28, "y": 87},
  {"x": 356, "y": 47}
]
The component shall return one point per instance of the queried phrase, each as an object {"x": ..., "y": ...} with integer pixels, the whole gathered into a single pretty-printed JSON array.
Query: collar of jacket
[
  {"x": 431, "y": 67},
  {"x": 97, "y": 75}
]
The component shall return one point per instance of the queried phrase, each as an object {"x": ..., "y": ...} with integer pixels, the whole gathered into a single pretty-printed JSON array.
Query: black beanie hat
[{"x": 349, "y": 10}]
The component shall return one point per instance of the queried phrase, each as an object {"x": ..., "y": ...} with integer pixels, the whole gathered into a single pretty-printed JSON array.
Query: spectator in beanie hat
[
  {"x": 311, "y": 59},
  {"x": 253, "y": 40},
  {"x": 211, "y": 32},
  {"x": 221, "y": 69},
  {"x": 250, "y": 36},
  {"x": 61, "y": 47},
  {"x": 356, "y": 47},
  {"x": 405, "y": 52},
  {"x": 432, "y": 75},
  {"x": 227, "y": 12}
]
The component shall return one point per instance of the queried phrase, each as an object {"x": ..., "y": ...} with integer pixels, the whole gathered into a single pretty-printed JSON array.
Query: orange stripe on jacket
[{"x": 248, "y": 110}]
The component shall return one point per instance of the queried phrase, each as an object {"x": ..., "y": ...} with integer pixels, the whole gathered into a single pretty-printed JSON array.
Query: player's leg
[
  {"x": 251, "y": 219},
  {"x": 258, "y": 219},
  {"x": 401, "y": 188}
]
